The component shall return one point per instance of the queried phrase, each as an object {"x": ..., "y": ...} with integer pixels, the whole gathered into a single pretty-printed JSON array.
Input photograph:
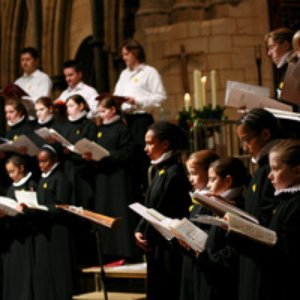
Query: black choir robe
[
  {"x": 281, "y": 263},
  {"x": 219, "y": 264},
  {"x": 169, "y": 195},
  {"x": 77, "y": 169},
  {"x": 53, "y": 273},
  {"x": 115, "y": 189},
  {"x": 191, "y": 271},
  {"x": 17, "y": 251},
  {"x": 259, "y": 201}
]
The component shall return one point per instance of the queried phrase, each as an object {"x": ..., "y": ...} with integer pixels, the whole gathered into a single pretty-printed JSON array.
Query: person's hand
[
  {"x": 131, "y": 100},
  {"x": 87, "y": 156},
  {"x": 184, "y": 245},
  {"x": 2, "y": 213},
  {"x": 140, "y": 241}
]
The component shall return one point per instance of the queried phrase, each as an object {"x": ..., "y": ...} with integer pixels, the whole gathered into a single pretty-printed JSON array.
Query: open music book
[
  {"x": 29, "y": 198},
  {"x": 173, "y": 228},
  {"x": 81, "y": 147},
  {"x": 11, "y": 206},
  {"x": 281, "y": 114},
  {"x": 245, "y": 100},
  {"x": 90, "y": 215},
  {"x": 239, "y": 225},
  {"x": 221, "y": 207},
  {"x": 18, "y": 145}
]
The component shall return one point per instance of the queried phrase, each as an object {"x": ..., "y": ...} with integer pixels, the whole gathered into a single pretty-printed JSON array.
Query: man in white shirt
[
  {"x": 73, "y": 76},
  {"x": 143, "y": 89},
  {"x": 34, "y": 82}
]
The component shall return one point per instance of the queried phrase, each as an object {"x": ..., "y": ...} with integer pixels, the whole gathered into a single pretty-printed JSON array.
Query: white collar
[
  {"x": 289, "y": 190},
  {"x": 11, "y": 124},
  {"x": 77, "y": 87},
  {"x": 45, "y": 175},
  {"x": 23, "y": 180},
  {"x": 232, "y": 193},
  {"x": 78, "y": 117},
  {"x": 48, "y": 119},
  {"x": 283, "y": 59},
  {"x": 165, "y": 156},
  {"x": 33, "y": 74},
  {"x": 112, "y": 120}
]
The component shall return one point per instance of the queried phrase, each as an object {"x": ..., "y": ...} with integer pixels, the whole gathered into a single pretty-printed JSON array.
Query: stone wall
[{"x": 222, "y": 37}]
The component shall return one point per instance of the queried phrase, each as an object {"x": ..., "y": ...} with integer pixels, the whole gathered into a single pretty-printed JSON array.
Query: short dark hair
[
  {"x": 166, "y": 131},
  {"x": 76, "y": 65},
  {"x": 136, "y": 48},
  {"x": 281, "y": 35},
  {"x": 79, "y": 99},
  {"x": 233, "y": 167},
  {"x": 110, "y": 102},
  {"x": 18, "y": 161},
  {"x": 32, "y": 51},
  {"x": 18, "y": 105}
]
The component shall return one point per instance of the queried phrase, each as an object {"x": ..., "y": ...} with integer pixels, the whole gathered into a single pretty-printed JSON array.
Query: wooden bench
[
  {"x": 130, "y": 271},
  {"x": 110, "y": 296}
]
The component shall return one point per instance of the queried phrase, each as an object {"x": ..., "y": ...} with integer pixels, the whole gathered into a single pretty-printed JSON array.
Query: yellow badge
[
  {"x": 45, "y": 185},
  {"x": 281, "y": 85},
  {"x": 99, "y": 135},
  {"x": 191, "y": 207},
  {"x": 161, "y": 172},
  {"x": 254, "y": 187},
  {"x": 135, "y": 79},
  {"x": 78, "y": 131},
  {"x": 15, "y": 137}
]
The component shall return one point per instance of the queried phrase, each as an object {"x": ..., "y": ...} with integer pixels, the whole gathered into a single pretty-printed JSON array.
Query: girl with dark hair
[
  {"x": 143, "y": 89},
  {"x": 168, "y": 193},
  {"x": 219, "y": 261},
  {"x": 53, "y": 274},
  {"x": 75, "y": 166},
  {"x": 17, "y": 236},
  {"x": 114, "y": 185},
  {"x": 258, "y": 132}
]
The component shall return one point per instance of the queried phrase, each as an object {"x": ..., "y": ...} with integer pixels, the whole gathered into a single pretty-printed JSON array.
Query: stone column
[
  {"x": 188, "y": 10},
  {"x": 152, "y": 13}
]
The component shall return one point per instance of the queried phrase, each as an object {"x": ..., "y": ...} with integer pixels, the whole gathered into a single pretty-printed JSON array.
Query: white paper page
[
  {"x": 158, "y": 225},
  {"x": 29, "y": 198},
  {"x": 238, "y": 99},
  {"x": 246, "y": 87},
  {"x": 210, "y": 220},
  {"x": 59, "y": 138},
  {"x": 85, "y": 145},
  {"x": 221, "y": 205},
  {"x": 190, "y": 233},
  {"x": 24, "y": 141},
  {"x": 9, "y": 206}
]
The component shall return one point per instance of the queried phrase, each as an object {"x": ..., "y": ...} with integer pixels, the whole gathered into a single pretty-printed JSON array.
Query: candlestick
[
  {"x": 213, "y": 88},
  {"x": 187, "y": 101},
  {"x": 203, "y": 90}
]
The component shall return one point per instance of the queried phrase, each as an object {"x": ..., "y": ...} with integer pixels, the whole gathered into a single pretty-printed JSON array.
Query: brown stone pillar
[
  {"x": 188, "y": 10},
  {"x": 152, "y": 13}
]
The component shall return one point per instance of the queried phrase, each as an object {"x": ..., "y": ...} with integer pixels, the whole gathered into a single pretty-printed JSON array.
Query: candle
[
  {"x": 203, "y": 90},
  {"x": 213, "y": 88},
  {"x": 187, "y": 101},
  {"x": 197, "y": 89}
]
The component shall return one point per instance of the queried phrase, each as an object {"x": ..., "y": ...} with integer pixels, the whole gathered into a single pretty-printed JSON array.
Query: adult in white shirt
[
  {"x": 34, "y": 82},
  {"x": 143, "y": 89},
  {"x": 73, "y": 76}
]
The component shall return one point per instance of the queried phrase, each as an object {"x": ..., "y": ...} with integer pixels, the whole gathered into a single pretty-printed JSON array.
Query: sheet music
[
  {"x": 29, "y": 198},
  {"x": 84, "y": 145},
  {"x": 9, "y": 206}
]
